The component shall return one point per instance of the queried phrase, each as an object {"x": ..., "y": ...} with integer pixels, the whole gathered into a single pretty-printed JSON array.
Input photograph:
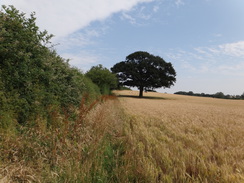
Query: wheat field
[
  {"x": 161, "y": 138},
  {"x": 175, "y": 138}
]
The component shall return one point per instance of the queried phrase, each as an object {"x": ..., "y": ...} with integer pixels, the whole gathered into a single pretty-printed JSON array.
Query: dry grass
[
  {"x": 163, "y": 138},
  {"x": 185, "y": 139},
  {"x": 84, "y": 150}
]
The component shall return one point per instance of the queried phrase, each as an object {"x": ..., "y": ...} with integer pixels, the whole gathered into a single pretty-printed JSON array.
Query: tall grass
[
  {"x": 181, "y": 140},
  {"x": 86, "y": 149}
]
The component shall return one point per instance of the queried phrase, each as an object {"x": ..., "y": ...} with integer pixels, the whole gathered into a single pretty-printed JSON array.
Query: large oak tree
[{"x": 145, "y": 71}]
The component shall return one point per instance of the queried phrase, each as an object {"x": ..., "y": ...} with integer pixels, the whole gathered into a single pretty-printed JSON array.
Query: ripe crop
[{"x": 185, "y": 139}]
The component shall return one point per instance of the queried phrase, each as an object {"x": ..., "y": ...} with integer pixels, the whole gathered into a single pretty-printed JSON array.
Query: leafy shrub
[
  {"x": 33, "y": 76},
  {"x": 103, "y": 78}
]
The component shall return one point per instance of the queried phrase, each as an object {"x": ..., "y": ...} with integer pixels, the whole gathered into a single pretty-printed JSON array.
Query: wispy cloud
[
  {"x": 209, "y": 69},
  {"x": 227, "y": 59},
  {"x": 179, "y": 3},
  {"x": 233, "y": 49},
  {"x": 218, "y": 35},
  {"x": 81, "y": 39},
  {"x": 127, "y": 16},
  {"x": 81, "y": 59},
  {"x": 155, "y": 9},
  {"x": 140, "y": 15}
]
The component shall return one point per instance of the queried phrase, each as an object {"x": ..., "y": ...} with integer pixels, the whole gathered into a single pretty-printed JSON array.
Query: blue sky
[{"x": 203, "y": 39}]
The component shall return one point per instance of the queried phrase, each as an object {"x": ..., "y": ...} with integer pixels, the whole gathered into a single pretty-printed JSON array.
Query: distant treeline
[{"x": 216, "y": 95}]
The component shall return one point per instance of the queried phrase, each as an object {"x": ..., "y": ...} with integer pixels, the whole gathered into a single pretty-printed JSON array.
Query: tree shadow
[{"x": 144, "y": 97}]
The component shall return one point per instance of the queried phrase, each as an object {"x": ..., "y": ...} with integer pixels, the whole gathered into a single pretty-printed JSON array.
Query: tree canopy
[
  {"x": 103, "y": 78},
  {"x": 145, "y": 71},
  {"x": 216, "y": 95}
]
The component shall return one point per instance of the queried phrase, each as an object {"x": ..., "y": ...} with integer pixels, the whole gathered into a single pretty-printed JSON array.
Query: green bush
[
  {"x": 103, "y": 78},
  {"x": 34, "y": 77}
]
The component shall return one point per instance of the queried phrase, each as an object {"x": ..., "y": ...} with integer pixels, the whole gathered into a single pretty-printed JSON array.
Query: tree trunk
[{"x": 141, "y": 92}]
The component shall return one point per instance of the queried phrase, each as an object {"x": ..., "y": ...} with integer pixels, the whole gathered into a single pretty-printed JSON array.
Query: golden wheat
[
  {"x": 161, "y": 138},
  {"x": 186, "y": 139}
]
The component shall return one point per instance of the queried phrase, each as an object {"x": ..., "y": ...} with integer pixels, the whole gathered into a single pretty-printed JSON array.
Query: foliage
[
  {"x": 242, "y": 96},
  {"x": 216, "y": 95},
  {"x": 145, "y": 71},
  {"x": 124, "y": 88},
  {"x": 91, "y": 89},
  {"x": 33, "y": 76},
  {"x": 219, "y": 95},
  {"x": 103, "y": 78}
]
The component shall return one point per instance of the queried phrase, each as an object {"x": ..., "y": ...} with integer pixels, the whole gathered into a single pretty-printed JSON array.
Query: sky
[{"x": 203, "y": 39}]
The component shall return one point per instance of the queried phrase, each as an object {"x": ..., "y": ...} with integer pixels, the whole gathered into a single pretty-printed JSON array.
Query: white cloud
[
  {"x": 61, "y": 17},
  {"x": 233, "y": 49},
  {"x": 81, "y": 59},
  {"x": 69, "y": 21},
  {"x": 232, "y": 68},
  {"x": 140, "y": 15},
  {"x": 155, "y": 9},
  {"x": 226, "y": 59},
  {"x": 81, "y": 39},
  {"x": 218, "y": 35},
  {"x": 72, "y": 41},
  {"x": 179, "y": 3},
  {"x": 209, "y": 69},
  {"x": 126, "y": 16}
]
